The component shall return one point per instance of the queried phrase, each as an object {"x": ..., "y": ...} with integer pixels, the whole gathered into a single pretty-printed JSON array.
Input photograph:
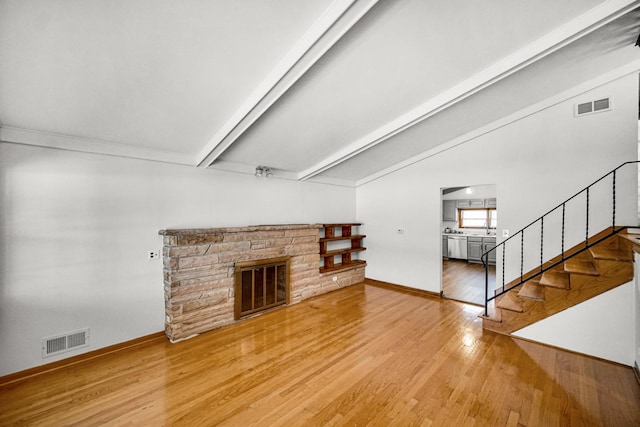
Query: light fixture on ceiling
[
  {"x": 468, "y": 190},
  {"x": 263, "y": 172}
]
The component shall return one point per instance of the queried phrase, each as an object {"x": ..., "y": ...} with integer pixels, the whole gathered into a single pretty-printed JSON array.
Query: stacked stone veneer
[{"x": 199, "y": 271}]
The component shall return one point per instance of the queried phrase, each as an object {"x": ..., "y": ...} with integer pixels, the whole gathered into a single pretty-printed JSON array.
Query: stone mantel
[
  {"x": 199, "y": 271},
  {"x": 247, "y": 229}
]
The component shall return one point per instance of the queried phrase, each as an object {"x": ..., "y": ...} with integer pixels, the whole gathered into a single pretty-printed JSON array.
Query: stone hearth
[{"x": 199, "y": 271}]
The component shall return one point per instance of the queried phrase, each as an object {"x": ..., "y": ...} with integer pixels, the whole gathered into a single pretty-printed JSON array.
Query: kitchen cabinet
[
  {"x": 449, "y": 212},
  {"x": 487, "y": 244},
  {"x": 445, "y": 250},
  {"x": 476, "y": 246},
  {"x": 474, "y": 249},
  {"x": 476, "y": 203}
]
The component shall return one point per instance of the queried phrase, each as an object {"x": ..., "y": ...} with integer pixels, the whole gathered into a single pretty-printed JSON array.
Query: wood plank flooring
[
  {"x": 362, "y": 355},
  {"x": 464, "y": 281}
]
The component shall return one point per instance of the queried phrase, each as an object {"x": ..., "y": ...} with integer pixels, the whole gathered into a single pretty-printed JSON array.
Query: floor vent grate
[{"x": 66, "y": 342}]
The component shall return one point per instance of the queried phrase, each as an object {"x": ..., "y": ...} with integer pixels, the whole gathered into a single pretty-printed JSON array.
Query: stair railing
[{"x": 541, "y": 221}]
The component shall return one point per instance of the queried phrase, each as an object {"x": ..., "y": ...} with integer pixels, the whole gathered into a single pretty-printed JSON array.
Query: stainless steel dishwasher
[{"x": 457, "y": 247}]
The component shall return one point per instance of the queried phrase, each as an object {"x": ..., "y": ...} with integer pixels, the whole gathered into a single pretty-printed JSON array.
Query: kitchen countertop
[{"x": 470, "y": 235}]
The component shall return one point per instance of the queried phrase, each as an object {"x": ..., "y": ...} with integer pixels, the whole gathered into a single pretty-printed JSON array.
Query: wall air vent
[
  {"x": 65, "y": 342},
  {"x": 591, "y": 107}
]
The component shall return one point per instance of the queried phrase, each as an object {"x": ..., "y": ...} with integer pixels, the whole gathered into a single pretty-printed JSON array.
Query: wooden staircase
[{"x": 588, "y": 273}]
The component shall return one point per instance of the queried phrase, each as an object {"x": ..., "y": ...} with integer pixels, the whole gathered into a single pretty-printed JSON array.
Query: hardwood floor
[
  {"x": 362, "y": 355},
  {"x": 464, "y": 281}
]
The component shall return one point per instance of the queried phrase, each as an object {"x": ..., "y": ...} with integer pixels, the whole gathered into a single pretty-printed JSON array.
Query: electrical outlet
[
  {"x": 335, "y": 278},
  {"x": 505, "y": 233},
  {"x": 153, "y": 255}
]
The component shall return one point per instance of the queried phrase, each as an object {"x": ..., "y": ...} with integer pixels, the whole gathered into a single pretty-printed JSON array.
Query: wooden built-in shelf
[
  {"x": 341, "y": 252},
  {"x": 328, "y": 256},
  {"x": 336, "y": 238},
  {"x": 338, "y": 267}
]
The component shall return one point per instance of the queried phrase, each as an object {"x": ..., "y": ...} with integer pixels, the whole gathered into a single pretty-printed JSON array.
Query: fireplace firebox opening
[{"x": 261, "y": 285}]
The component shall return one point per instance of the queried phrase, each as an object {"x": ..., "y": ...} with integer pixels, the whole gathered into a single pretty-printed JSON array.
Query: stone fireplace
[{"x": 201, "y": 265}]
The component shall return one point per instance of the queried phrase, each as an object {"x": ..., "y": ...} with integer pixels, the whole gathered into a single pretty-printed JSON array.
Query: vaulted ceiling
[{"x": 332, "y": 91}]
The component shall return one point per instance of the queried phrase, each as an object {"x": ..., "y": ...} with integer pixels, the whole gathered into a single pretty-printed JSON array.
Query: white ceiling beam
[
  {"x": 326, "y": 31},
  {"x": 544, "y": 46}
]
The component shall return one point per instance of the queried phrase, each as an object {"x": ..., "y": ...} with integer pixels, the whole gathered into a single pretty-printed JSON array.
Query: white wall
[
  {"x": 536, "y": 162},
  {"x": 608, "y": 318},
  {"x": 75, "y": 229}
]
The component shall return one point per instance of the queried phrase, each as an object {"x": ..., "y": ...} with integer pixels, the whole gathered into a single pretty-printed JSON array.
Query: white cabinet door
[{"x": 449, "y": 210}]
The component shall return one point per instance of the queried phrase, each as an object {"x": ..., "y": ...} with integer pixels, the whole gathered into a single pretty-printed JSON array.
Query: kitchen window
[{"x": 477, "y": 218}]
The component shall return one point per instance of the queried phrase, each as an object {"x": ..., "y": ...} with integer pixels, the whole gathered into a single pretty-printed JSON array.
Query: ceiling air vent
[
  {"x": 590, "y": 107},
  {"x": 66, "y": 342}
]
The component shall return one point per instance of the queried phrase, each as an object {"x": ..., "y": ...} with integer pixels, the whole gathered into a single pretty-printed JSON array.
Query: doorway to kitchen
[{"x": 468, "y": 226}]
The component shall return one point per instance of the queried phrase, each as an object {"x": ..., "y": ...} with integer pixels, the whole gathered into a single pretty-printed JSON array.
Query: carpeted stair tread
[
  {"x": 610, "y": 254},
  {"x": 532, "y": 290},
  {"x": 555, "y": 279},
  {"x": 510, "y": 301},
  {"x": 578, "y": 266}
]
